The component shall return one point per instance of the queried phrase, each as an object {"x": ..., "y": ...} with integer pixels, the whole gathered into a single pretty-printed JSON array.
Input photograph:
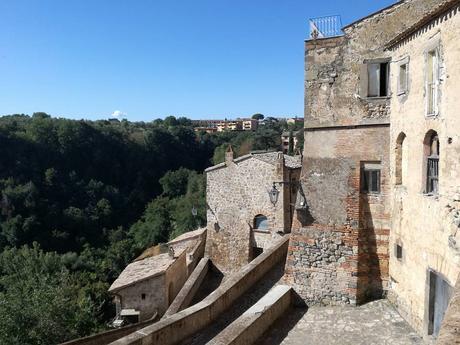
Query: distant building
[
  {"x": 229, "y": 126},
  {"x": 250, "y": 124},
  {"x": 295, "y": 120},
  {"x": 285, "y": 136},
  {"x": 205, "y": 129}
]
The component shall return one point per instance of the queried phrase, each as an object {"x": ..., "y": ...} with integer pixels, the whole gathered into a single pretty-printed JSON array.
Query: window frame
[
  {"x": 367, "y": 169},
  {"x": 431, "y": 163},
  {"x": 432, "y": 88},
  {"x": 364, "y": 80},
  {"x": 403, "y": 89},
  {"x": 379, "y": 85}
]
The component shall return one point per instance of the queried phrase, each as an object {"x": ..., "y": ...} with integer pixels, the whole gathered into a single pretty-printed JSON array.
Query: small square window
[
  {"x": 399, "y": 251},
  {"x": 143, "y": 296},
  {"x": 370, "y": 177},
  {"x": 403, "y": 78}
]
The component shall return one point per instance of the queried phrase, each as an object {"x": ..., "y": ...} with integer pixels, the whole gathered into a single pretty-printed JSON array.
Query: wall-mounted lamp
[
  {"x": 194, "y": 211},
  {"x": 274, "y": 192}
]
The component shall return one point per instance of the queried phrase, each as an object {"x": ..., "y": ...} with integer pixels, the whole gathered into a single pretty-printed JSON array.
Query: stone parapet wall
[{"x": 181, "y": 325}]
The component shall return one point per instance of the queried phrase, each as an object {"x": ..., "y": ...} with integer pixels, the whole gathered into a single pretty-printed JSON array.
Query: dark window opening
[
  {"x": 260, "y": 223},
  {"x": 378, "y": 74},
  {"x": 399, "y": 251},
  {"x": 143, "y": 296},
  {"x": 371, "y": 180}
]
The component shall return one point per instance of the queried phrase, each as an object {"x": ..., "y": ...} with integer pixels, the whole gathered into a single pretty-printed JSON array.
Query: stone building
[
  {"x": 339, "y": 245},
  {"x": 148, "y": 285},
  {"x": 425, "y": 166},
  {"x": 285, "y": 139},
  {"x": 241, "y": 218}
]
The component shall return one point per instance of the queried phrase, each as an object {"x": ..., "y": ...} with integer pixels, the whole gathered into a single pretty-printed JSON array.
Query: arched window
[
  {"x": 431, "y": 159},
  {"x": 260, "y": 223},
  {"x": 401, "y": 159}
]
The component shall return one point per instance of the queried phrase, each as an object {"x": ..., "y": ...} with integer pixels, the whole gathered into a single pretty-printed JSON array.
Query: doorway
[{"x": 439, "y": 297}]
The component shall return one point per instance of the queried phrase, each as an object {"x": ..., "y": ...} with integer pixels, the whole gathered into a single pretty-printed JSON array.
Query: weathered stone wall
[
  {"x": 339, "y": 246},
  {"x": 159, "y": 290},
  {"x": 333, "y": 88},
  {"x": 155, "y": 297},
  {"x": 427, "y": 227},
  {"x": 175, "y": 277},
  {"x": 236, "y": 192}
]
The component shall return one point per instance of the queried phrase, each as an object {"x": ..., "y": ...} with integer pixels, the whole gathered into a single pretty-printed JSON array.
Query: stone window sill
[
  {"x": 431, "y": 196},
  {"x": 377, "y": 99},
  {"x": 261, "y": 231}
]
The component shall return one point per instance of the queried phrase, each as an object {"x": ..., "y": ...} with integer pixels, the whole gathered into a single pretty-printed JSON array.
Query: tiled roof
[
  {"x": 292, "y": 162},
  {"x": 142, "y": 270}
]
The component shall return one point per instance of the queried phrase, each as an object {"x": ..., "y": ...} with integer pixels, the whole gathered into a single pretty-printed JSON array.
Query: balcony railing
[{"x": 323, "y": 27}]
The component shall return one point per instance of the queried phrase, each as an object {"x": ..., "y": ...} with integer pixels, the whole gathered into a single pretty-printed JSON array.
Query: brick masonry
[{"x": 339, "y": 251}]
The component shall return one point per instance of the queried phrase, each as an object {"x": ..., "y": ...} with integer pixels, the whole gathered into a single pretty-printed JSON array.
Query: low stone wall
[
  {"x": 450, "y": 329},
  {"x": 107, "y": 337},
  {"x": 255, "y": 321},
  {"x": 188, "y": 291},
  {"x": 183, "y": 324}
]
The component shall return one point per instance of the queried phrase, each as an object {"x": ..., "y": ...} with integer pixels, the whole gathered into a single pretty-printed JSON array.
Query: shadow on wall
[
  {"x": 304, "y": 216},
  {"x": 370, "y": 283}
]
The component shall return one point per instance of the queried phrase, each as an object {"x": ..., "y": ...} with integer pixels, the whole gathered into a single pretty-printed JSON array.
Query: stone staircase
[
  {"x": 225, "y": 321},
  {"x": 241, "y": 308}
]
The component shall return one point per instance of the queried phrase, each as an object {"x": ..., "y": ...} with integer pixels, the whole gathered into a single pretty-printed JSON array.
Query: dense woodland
[{"x": 80, "y": 199}]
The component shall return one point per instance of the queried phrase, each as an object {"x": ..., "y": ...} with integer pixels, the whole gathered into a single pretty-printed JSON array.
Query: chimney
[{"x": 280, "y": 164}]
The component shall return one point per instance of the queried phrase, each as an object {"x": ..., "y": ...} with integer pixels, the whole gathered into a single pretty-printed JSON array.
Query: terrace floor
[{"x": 376, "y": 323}]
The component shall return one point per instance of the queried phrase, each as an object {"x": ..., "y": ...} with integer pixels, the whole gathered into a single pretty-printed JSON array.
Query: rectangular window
[
  {"x": 432, "y": 81},
  {"x": 377, "y": 76},
  {"x": 403, "y": 78},
  {"x": 399, "y": 252},
  {"x": 433, "y": 175},
  {"x": 370, "y": 177}
]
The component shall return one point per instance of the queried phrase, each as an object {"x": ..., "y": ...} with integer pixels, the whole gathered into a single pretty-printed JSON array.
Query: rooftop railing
[{"x": 322, "y": 27}]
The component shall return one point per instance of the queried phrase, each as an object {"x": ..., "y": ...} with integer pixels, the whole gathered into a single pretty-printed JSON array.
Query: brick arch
[{"x": 263, "y": 212}]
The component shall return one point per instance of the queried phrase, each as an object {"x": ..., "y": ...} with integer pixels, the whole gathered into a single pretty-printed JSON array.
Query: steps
[
  {"x": 229, "y": 301},
  {"x": 257, "y": 319}
]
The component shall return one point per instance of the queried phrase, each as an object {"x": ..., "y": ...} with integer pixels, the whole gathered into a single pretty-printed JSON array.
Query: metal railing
[{"x": 323, "y": 27}]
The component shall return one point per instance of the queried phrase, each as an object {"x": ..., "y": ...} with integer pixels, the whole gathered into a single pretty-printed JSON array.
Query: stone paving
[{"x": 376, "y": 323}]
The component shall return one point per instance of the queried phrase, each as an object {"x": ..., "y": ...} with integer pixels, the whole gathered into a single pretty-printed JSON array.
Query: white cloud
[{"x": 119, "y": 114}]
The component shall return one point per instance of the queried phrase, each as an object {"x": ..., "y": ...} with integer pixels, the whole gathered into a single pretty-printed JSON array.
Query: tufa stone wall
[
  {"x": 237, "y": 191},
  {"x": 425, "y": 226},
  {"x": 339, "y": 248}
]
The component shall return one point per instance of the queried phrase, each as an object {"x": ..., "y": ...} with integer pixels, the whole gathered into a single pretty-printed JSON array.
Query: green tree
[
  {"x": 258, "y": 116},
  {"x": 155, "y": 224},
  {"x": 40, "y": 301}
]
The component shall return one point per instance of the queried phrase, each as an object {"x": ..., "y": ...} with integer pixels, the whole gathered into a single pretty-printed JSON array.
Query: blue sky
[{"x": 153, "y": 58}]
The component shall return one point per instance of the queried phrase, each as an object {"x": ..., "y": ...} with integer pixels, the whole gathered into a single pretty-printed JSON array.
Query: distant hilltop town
[{"x": 240, "y": 124}]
